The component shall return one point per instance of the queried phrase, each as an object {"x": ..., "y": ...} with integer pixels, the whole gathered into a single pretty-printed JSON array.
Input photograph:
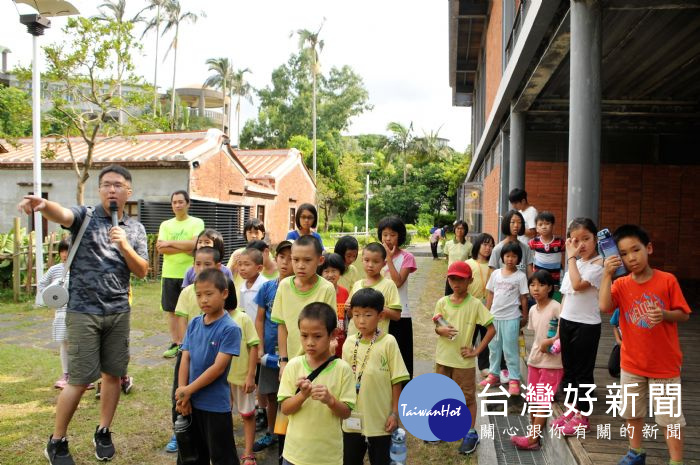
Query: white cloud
[{"x": 400, "y": 48}]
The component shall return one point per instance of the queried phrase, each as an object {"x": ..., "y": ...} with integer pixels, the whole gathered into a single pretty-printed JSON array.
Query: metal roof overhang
[{"x": 467, "y": 21}]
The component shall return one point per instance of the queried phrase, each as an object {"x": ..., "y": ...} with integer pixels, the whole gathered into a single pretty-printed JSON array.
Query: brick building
[
  {"x": 269, "y": 184},
  {"x": 592, "y": 106}
]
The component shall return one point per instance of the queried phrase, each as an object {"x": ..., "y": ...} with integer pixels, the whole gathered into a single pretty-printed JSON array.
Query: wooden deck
[{"x": 591, "y": 450}]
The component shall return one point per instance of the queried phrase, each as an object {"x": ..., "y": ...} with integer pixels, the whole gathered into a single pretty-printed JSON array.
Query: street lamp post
[
  {"x": 36, "y": 24},
  {"x": 368, "y": 167}
]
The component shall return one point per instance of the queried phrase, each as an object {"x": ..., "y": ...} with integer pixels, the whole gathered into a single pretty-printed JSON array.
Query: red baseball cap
[{"x": 460, "y": 269}]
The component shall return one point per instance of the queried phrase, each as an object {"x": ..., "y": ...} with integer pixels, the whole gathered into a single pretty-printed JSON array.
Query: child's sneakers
[
  {"x": 491, "y": 379},
  {"x": 561, "y": 421},
  {"x": 523, "y": 443},
  {"x": 469, "y": 443},
  {"x": 505, "y": 376},
  {"x": 514, "y": 387},
  {"x": 171, "y": 446},
  {"x": 575, "y": 425},
  {"x": 62, "y": 382},
  {"x": 57, "y": 452},
  {"x": 633, "y": 458},
  {"x": 104, "y": 448},
  {"x": 127, "y": 382},
  {"x": 264, "y": 442}
]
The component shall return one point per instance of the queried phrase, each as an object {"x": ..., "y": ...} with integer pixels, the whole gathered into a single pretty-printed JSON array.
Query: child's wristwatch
[{"x": 282, "y": 360}]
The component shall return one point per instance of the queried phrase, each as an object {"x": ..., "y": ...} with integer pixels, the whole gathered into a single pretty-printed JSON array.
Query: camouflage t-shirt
[{"x": 99, "y": 281}]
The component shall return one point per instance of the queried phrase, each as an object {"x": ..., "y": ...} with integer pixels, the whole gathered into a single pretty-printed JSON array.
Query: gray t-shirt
[
  {"x": 99, "y": 274},
  {"x": 496, "y": 263}
]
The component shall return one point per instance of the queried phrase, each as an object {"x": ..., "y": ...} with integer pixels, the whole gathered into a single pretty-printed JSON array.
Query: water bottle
[
  {"x": 552, "y": 331},
  {"x": 186, "y": 449},
  {"x": 398, "y": 450},
  {"x": 608, "y": 248},
  {"x": 270, "y": 360},
  {"x": 441, "y": 321},
  {"x": 521, "y": 345}
]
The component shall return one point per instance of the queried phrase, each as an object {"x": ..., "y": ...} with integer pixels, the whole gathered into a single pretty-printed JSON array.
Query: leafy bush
[{"x": 334, "y": 226}]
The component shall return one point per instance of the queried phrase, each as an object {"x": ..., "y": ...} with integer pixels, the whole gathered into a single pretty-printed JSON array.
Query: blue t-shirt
[
  {"x": 190, "y": 275},
  {"x": 204, "y": 342},
  {"x": 294, "y": 235},
  {"x": 265, "y": 299}
]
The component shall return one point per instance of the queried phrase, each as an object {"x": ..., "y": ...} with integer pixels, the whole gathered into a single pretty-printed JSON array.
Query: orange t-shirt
[
  {"x": 341, "y": 296},
  {"x": 650, "y": 351}
]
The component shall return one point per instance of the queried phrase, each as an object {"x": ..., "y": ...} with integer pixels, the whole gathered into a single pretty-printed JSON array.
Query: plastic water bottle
[
  {"x": 552, "y": 331},
  {"x": 187, "y": 451},
  {"x": 521, "y": 344},
  {"x": 398, "y": 450},
  {"x": 608, "y": 248},
  {"x": 270, "y": 360},
  {"x": 441, "y": 321}
]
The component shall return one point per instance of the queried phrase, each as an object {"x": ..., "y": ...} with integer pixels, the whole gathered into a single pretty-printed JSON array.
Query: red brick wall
[
  {"x": 490, "y": 206},
  {"x": 662, "y": 198},
  {"x": 494, "y": 53},
  {"x": 214, "y": 178},
  {"x": 296, "y": 185}
]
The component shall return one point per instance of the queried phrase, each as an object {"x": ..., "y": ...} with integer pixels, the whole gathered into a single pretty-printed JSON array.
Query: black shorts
[{"x": 170, "y": 289}]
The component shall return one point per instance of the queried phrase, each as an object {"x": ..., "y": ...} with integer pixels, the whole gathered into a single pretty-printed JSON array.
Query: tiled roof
[
  {"x": 260, "y": 163},
  {"x": 149, "y": 149}
]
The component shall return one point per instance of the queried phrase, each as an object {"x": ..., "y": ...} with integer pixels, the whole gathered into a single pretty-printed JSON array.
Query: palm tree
[
  {"x": 242, "y": 89},
  {"x": 310, "y": 44},
  {"x": 175, "y": 16},
  {"x": 400, "y": 141},
  {"x": 154, "y": 23},
  {"x": 222, "y": 79},
  {"x": 116, "y": 11}
]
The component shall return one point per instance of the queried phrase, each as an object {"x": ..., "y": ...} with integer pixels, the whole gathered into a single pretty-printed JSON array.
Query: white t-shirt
[
  {"x": 529, "y": 215},
  {"x": 582, "y": 306},
  {"x": 496, "y": 262},
  {"x": 506, "y": 294},
  {"x": 403, "y": 260},
  {"x": 247, "y": 302}
]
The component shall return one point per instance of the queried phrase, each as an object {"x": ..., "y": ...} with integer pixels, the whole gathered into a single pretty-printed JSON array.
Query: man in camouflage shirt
[{"x": 97, "y": 318}]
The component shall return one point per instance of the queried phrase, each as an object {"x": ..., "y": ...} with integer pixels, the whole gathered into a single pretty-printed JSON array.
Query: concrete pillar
[
  {"x": 516, "y": 177},
  {"x": 201, "y": 103},
  {"x": 584, "y": 110},
  {"x": 503, "y": 204}
]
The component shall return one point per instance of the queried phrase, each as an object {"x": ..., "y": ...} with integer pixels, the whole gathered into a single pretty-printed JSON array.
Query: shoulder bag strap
[
  {"x": 76, "y": 243},
  {"x": 318, "y": 370}
]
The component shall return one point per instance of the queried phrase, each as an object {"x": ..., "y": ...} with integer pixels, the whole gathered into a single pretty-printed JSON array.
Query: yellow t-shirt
[
  {"x": 314, "y": 435},
  {"x": 187, "y": 306},
  {"x": 480, "y": 276},
  {"x": 391, "y": 300},
  {"x": 384, "y": 368},
  {"x": 457, "y": 252},
  {"x": 249, "y": 338},
  {"x": 175, "y": 264},
  {"x": 463, "y": 317},
  {"x": 351, "y": 275},
  {"x": 289, "y": 302}
]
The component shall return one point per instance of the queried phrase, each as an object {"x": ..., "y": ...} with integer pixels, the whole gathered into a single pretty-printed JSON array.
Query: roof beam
[
  {"x": 651, "y": 4},
  {"x": 554, "y": 54}
]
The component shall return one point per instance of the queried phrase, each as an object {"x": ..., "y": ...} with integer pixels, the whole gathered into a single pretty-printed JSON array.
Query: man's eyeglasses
[{"x": 116, "y": 185}]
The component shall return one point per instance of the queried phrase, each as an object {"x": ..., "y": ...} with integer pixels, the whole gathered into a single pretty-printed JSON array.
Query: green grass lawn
[{"x": 142, "y": 423}]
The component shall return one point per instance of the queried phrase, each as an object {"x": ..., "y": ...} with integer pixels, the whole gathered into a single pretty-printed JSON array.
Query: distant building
[
  {"x": 591, "y": 106},
  {"x": 269, "y": 184}
]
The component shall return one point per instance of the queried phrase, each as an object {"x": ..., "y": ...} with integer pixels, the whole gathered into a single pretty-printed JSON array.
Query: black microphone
[{"x": 113, "y": 210}]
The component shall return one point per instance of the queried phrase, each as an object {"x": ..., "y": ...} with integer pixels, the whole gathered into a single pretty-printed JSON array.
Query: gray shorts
[
  {"x": 269, "y": 382},
  {"x": 97, "y": 344}
]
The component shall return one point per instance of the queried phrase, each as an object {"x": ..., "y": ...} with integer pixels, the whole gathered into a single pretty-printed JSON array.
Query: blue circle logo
[{"x": 432, "y": 407}]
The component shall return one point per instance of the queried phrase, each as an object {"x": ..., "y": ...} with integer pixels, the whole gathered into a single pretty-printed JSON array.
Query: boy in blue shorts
[{"x": 211, "y": 340}]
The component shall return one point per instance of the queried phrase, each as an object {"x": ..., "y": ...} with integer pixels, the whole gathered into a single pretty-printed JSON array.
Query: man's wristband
[{"x": 284, "y": 359}]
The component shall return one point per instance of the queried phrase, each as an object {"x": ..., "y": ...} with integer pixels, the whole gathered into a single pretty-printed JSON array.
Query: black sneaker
[
  {"x": 104, "y": 448},
  {"x": 57, "y": 452},
  {"x": 260, "y": 419},
  {"x": 127, "y": 383}
]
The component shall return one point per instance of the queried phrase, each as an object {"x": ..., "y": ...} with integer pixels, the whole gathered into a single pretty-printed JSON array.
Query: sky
[{"x": 400, "y": 48}]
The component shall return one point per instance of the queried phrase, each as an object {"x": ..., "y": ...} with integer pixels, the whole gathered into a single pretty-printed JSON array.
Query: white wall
[{"x": 154, "y": 184}]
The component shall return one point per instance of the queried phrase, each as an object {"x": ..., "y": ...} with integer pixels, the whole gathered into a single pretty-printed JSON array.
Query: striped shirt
[{"x": 548, "y": 255}]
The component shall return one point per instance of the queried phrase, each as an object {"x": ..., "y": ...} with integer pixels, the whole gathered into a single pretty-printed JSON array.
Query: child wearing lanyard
[{"x": 379, "y": 370}]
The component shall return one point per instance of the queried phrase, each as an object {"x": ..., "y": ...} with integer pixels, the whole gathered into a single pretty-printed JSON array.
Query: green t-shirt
[
  {"x": 350, "y": 277},
  {"x": 187, "y": 305},
  {"x": 391, "y": 300},
  {"x": 289, "y": 302},
  {"x": 175, "y": 265},
  {"x": 457, "y": 252},
  {"x": 249, "y": 338},
  {"x": 384, "y": 368},
  {"x": 314, "y": 435},
  {"x": 463, "y": 317}
]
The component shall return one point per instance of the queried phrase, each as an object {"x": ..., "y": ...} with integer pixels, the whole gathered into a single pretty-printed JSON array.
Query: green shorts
[{"x": 97, "y": 344}]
